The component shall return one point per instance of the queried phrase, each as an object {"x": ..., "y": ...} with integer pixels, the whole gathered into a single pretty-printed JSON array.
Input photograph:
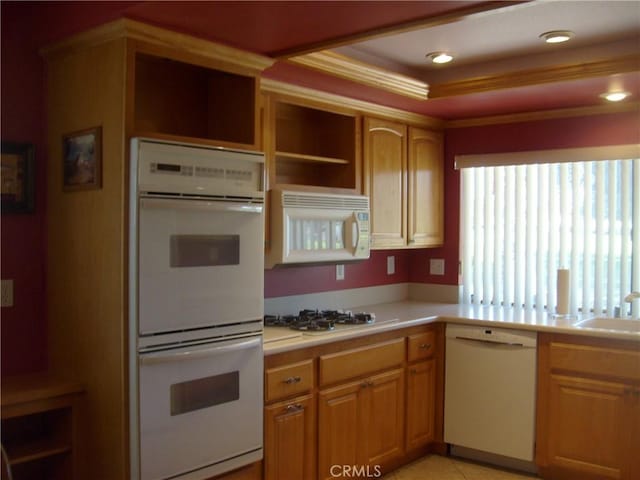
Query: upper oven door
[{"x": 200, "y": 264}]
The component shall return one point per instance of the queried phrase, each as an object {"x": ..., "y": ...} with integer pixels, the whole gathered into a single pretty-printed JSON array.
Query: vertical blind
[{"x": 521, "y": 223}]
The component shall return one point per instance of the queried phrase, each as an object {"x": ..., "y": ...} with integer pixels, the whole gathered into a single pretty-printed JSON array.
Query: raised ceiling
[{"x": 501, "y": 66}]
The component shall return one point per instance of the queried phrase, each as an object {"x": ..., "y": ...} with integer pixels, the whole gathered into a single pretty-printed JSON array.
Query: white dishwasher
[{"x": 490, "y": 393}]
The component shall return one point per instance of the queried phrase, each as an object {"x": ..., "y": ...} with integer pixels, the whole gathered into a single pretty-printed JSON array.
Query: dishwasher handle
[{"x": 491, "y": 342}]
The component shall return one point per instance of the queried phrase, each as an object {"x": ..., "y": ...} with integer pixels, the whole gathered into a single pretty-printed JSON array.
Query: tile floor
[{"x": 435, "y": 467}]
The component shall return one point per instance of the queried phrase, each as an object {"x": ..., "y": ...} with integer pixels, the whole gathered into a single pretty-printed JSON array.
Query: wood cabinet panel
[
  {"x": 421, "y": 346},
  {"x": 588, "y": 408},
  {"x": 425, "y": 178},
  {"x": 339, "y": 423},
  {"x": 289, "y": 380},
  {"x": 595, "y": 360},
  {"x": 385, "y": 166},
  {"x": 383, "y": 415},
  {"x": 290, "y": 440},
  {"x": 362, "y": 361},
  {"x": 586, "y": 425},
  {"x": 421, "y": 402}
]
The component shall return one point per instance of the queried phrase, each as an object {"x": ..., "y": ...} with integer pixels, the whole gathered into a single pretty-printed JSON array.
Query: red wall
[
  {"x": 283, "y": 281},
  {"x": 610, "y": 129},
  {"x": 23, "y": 328}
]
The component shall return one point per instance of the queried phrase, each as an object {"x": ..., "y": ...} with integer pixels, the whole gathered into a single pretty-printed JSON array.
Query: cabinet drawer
[
  {"x": 421, "y": 346},
  {"x": 360, "y": 361},
  {"x": 288, "y": 380},
  {"x": 610, "y": 362}
]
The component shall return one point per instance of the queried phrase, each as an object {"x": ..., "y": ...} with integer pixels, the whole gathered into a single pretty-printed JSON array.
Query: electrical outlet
[
  {"x": 339, "y": 272},
  {"x": 391, "y": 265},
  {"x": 6, "y": 295},
  {"x": 436, "y": 266}
]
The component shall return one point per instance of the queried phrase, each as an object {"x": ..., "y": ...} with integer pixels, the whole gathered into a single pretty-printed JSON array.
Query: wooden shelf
[
  {"x": 36, "y": 450},
  {"x": 301, "y": 157}
]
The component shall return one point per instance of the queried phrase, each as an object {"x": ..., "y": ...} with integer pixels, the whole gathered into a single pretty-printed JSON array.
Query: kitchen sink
[{"x": 610, "y": 323}]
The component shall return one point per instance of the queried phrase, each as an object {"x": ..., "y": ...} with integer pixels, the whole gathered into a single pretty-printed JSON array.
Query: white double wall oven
[{"x": 196, "y": 308}]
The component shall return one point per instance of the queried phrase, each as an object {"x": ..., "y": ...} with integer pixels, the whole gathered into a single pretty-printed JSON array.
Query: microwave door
[{"x": 200, "y": 264}]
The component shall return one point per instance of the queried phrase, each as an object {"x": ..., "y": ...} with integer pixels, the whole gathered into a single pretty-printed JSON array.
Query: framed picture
[
  {"x": 18, "y": 178},
  {"x": 82, "y": 160}
]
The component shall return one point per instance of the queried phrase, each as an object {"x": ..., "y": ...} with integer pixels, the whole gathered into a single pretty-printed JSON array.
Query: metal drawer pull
[
  {"x": 366, "y": 383},
  {"x": 414, "y": 371},
  {"x": 294, "y": 408},
  {"x": 425, "y": 346},
  {"x": 291, "y": 380}
]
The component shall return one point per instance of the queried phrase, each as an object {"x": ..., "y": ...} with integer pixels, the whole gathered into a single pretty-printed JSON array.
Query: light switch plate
[
  {"x": 391, "y": 265},
  {"x": 339, "y": 272},
  {"x": 6, "y": 295},
  {"x": 436, "y": 266}
]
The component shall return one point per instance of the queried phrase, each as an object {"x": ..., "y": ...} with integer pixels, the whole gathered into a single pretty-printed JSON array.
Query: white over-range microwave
[{"x": 317, "y": 227}]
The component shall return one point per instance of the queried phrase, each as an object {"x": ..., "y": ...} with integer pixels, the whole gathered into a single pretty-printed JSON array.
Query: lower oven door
[{"x": 200, "y": 409}]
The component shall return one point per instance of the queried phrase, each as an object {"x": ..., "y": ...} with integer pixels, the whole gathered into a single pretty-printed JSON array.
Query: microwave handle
[
  {"x": 191, "y": 353},
  {"x": 204, "y": 205},
  {"x": 355, "y": 232}
]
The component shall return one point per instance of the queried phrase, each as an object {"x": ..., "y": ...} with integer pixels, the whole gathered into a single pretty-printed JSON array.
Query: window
[{"x": 521, "y": 222}]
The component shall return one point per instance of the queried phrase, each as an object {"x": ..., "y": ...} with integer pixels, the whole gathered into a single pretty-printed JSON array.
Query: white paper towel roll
[{"x": 564, "y": 288}]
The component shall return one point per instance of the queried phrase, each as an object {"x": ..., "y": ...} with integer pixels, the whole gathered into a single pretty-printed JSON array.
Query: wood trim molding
[
  {"x": 345, "y": 67},
  {"x": 544, "y": 115},
  {"x": 536, "y": 76},
  {"x": 282, "y": 88},
  {"x": 131, "y": 29}
]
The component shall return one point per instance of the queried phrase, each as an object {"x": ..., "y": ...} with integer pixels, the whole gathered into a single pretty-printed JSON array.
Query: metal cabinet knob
[
  {"x": 291, "y": 380},
  {"x": 425, "y": 346},
  {"x": 294, "y": 408}
]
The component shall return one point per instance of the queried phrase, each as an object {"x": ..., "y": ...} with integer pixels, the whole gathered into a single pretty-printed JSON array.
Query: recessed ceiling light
[
  {"x": 615, "y": 96},
  {"x": 439, "y": 57},
  {"x": 557, "y": 36}
]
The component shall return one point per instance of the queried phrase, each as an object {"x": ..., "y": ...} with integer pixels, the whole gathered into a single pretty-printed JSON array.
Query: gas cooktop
[{"x": 319, "y": 321}]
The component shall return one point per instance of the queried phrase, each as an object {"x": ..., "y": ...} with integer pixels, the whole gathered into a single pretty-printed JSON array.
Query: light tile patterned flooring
[{"x": 435, "y": 467}]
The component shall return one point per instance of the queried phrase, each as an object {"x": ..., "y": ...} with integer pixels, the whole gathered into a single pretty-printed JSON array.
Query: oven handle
[
  {"x": 206, "y": 205},
  {"x": 191, "y": 353}
]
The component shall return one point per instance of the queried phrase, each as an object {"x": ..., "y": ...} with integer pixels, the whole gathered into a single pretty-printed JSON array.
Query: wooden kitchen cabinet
[
  {"x": 361, "y": 423},
  {"x": 385, "y": 170},
  {"x": 128, "y": 79},
  {"x": 290, "y": 433},
  {"x": 404, "y": 178},
  {"x": 588, "y": 408},
  {"x": 40, "y": 427},
  {"x": 290, "y": 425},
  {"x": 311, "y": 145}
]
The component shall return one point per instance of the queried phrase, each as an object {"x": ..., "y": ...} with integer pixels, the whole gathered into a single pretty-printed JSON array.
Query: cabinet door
[
  {"x": 290, "y": 440},
  {"x": 633, "y": 463},
  {"x": 421, "y": 397},
  {"x": 587, "y": 426},
  {"x": 425, "y": 179},
  {"x": 385, "y": 161},
  {"x": 338, "y": 428},
  {"x": 383, "y": 418}
]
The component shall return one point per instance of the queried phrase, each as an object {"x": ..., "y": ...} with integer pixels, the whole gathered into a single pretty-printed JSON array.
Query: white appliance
[
  {"x": 196, "y": 308},
  {"x": 490, "y": 381},
  {"x": 317, "y": 227}
]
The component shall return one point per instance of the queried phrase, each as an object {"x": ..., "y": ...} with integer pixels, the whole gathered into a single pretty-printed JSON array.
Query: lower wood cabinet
[
  {"x": 290, "y": 439},
  {"x": 421, "y": 403},
  {"x": 588, "y": 424},
  {"x": 361, "y": 423}
]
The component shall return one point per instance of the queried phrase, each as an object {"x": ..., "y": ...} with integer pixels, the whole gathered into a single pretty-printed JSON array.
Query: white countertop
[{"x": 392, "y": 316}]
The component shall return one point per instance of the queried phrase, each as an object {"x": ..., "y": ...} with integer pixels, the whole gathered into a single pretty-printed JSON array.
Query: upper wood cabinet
[
  {"x": 404, "y": 178},
  {"x": 385, "y": 170},
  {"x": 311, "y": 145},
  {"x": 425, "y": 178},
  {"x": 179, "y": 100}
]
